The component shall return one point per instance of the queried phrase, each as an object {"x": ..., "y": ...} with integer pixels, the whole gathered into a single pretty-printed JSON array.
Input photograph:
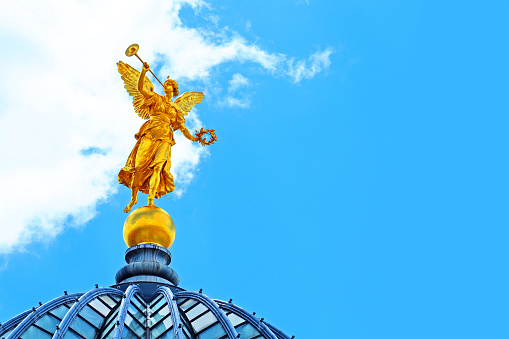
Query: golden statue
[{"x": 148, "y": 166}]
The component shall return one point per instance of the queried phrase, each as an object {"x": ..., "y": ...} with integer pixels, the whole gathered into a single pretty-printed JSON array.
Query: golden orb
[{"x": 149, "y": 224}]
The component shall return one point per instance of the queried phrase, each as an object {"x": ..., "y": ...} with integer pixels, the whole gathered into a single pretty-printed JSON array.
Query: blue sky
[{"x": 367, "y": 198}]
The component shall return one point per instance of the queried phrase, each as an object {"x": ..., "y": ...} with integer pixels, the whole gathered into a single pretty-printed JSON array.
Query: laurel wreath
[{"x": 204, "y": 141}]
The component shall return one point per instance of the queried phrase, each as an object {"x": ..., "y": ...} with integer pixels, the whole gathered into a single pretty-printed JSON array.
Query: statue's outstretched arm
[
  {"x": 188, "y": 134},
  {"x": 141, "y": 81}
]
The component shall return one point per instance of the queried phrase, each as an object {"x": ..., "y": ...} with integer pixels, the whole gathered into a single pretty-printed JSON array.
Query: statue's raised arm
[
  {"x": 131, "y": 79},
  {"x": 147, "y": 93}
]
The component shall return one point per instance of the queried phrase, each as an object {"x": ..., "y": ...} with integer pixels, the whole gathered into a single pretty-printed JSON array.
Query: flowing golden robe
[{"x": 153, "y": 147}]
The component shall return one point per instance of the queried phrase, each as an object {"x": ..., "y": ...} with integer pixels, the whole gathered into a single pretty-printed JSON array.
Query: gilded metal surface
[
  {"x": 132, "y": 50},
  {"x": 149, "y": 224},
  {"x": 147, "y": 169}
]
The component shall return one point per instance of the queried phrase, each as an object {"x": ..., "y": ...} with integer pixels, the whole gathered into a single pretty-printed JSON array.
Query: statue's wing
[
  {"x": 188, "y": 100},
  {"x": 130, "y": 77}
]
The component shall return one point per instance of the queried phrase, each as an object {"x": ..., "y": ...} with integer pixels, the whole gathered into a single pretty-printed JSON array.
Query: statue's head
[{"x": 171, "y": 88}]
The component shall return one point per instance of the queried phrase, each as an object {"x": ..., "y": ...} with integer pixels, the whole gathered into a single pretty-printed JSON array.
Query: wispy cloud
[
  {"x": 237, "y": 81},
  {"x": 236, "y": 102},
  {"x": 317, "y": 62},
  {"x": 66, "y": 123},
  {"x": 234, "y": 99}
]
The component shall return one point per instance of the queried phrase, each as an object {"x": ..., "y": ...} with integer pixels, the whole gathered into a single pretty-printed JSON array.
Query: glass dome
[{"x": 146, "y": 303}]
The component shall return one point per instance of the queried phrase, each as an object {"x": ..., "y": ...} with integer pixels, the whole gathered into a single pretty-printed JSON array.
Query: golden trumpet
[{"x": 133, "y": 50}]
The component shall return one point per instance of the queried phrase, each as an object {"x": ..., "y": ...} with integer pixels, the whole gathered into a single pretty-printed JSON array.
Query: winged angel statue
[{"x": 148, "y": 167}]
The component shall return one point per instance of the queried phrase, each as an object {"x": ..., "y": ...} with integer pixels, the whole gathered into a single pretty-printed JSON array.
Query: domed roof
[
  {"x": 144, "y": 310},
  {"x": 145, "y": 303}
]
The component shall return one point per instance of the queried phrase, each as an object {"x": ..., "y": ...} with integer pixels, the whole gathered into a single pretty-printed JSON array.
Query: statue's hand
[
  {"x": 146, "y": 66},
  {"x": 199, "y": 139}
]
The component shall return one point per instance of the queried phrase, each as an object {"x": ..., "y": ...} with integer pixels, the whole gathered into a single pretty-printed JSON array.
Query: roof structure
[{"x": 145, "y": 303}]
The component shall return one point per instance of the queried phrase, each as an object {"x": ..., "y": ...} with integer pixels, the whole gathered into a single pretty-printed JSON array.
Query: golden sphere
[{"x": 149, "y": 224}]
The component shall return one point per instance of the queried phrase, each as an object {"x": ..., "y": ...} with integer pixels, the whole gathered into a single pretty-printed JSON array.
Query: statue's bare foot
[{"x": 127, "y": 209}]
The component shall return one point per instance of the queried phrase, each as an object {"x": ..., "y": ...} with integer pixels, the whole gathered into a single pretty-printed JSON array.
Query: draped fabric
[{"x": 153, "y": 148}]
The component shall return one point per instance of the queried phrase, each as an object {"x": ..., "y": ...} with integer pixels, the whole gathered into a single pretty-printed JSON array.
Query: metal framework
[
  {"x": 251, "y": 319},
  {"x": 40, "y": 312},
  {"x": 212, "y": 306},
  {"x": 174, "y": 311},
  {"x": 177, "y": 315},
  {"x": 10, "y": 324},
  {"x": 108, "y": 319},
  {"x": 126, "y": 301},
  {"x": 277, "y": 331},
  {"x": 79, "y": 305}
]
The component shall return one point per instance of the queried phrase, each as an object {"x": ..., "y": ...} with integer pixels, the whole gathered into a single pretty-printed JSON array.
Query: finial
[{"x": 149, "y": 224}]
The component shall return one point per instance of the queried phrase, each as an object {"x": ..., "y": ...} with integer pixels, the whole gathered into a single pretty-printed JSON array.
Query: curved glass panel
[
  {"x": 199, "y": 321},
  {"x": 158, "y": 314},
  {"x": 46, "y": 325},
  {"x": 137, "y": 313},
  {"x": 161, "y": 321},
  {"x": 134, "y": 325},
  {"x": 100, "y": 313},
  {"x": 247, "y": 331},
  {"x": 35, "y": 332},
  {"x": 187, "y": 330},
  {"x": 194, "y": 312},
  {"x": 235, "y": 319},
  {"x": 91, "y": 317},
  {"x": 100, "y": 306},
  {"x": 163, "y": 326},
  {"x": 135, "y": 318},
  {"x": 214, "y": 332},
  {"x": 246, "y": 324},
  {"x": 61, "y": 311},
  {"x": 109, "y": 324},
  {"x": 72, "y": 335},
  {"x": 243, "y": 327},
  {"x": 110, "y": 300}
]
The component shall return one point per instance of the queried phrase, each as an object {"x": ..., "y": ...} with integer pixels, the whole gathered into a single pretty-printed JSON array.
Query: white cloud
[
  {"x": 61, "y": 94},
  {"x": 237, "y": 81},
  {"x": 316, "y": 63},
  {"x": 236, "y": 102}
]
